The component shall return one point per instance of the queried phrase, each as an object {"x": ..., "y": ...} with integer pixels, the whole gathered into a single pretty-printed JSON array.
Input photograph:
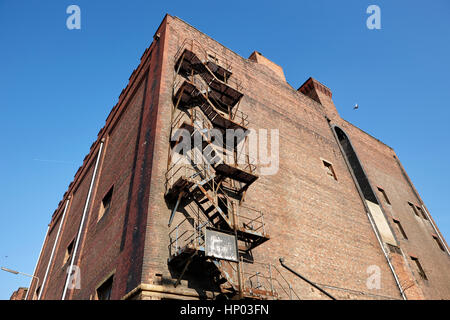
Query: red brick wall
[
  {"x": 312, "y": 227},
  {"x": 384, "y": 172},
  {"x": 113, "y": 244},
  {"x": 317, "y": 224},
  {"x": 19, "y": 294}
]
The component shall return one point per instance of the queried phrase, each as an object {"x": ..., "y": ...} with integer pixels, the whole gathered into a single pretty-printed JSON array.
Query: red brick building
[
  {"x": 339, "y": 207},
  {"x": 19, "y": 294}
]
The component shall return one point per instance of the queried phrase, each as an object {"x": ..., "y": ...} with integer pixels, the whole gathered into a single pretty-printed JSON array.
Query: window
[
  {"x": 439, "y": 243},
  {"x": 38, "y": 290},
  {"x": 413, "y": 207},
  {"x": 386, "y": 199},
  {"x": 104, "y": 291},
  {"x": 394, "y": 249},
  {"x": 419, "y": 268},
  {"x": 400, "y": 229},
  {"x": 106, "y": 204},
  {"x": 329, "y": 169},
  {"x": 419, "y": 209},
  {"x": 356, "y": 167},
  {"x": 69, "y": 252}
]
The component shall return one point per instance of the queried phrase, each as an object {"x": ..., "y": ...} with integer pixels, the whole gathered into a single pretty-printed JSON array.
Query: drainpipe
[
  {"x": 397, "y": 281},
  {"x": 86, "y": 205},
  {"x": 374, "y": 227},
  {"x": 53, "y": 249},
  {"x": 421, "y": 203},
  {"x": 435, "y": 229},
  {"x": 37, "y": 262}
]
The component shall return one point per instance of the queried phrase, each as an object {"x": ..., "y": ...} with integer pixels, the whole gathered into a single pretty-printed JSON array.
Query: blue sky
[{"x": 57, "y": 86}]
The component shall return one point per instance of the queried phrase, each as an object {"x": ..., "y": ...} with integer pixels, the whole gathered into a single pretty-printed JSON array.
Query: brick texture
[{"x": 318, "y": 224}]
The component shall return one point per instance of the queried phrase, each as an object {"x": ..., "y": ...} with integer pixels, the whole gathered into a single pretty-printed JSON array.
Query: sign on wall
[{"x": 220, "y": 245}]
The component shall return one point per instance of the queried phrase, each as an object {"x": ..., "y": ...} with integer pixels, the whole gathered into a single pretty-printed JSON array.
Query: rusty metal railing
[
  {"x": 189, "y": 233},
  {"x": 265, "y": 276},
  {"x": 241, "y": 160},
  {"x": 203, "y": 54},
  {"x": 247, "y": 218}
]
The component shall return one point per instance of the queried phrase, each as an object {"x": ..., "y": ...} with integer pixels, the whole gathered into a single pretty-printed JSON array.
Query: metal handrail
[
  {"x": 240, "y": 216},
  {"x": 203, "y": 51},
  {"x": 191, "y": 229},
  {"x": 270, "y": 280},
  {"x": 198, "y": 117},
  {"x": 251, "y": 219},
  {"x": 233, "y": 83},
  {"x": 289, "y": 285},
  {"x": 189, "y": 234},
  {"x": 236, "y": 115}
]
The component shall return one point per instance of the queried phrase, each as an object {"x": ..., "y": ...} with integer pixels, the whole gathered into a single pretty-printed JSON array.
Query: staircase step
[
  {"x": 211, "y": 208},
  {"x": 217, "y": 214}
]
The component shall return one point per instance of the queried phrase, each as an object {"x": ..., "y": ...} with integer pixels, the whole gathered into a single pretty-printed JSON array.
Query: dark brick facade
[
  {"x": 319, "y": 225},
  {"x": 19, "y": 294}
]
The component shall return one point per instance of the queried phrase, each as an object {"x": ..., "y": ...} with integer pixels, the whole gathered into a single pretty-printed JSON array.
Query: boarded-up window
[
  {"x": 381, "y": 223},
  {"x": 385, "y": 197},
  {"x": 400, "y": 229},
  {"x": 419, "y": 268}
]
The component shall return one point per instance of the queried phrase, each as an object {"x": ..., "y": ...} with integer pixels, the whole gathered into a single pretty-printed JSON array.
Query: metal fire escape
[{"x": 206, "y": 179}]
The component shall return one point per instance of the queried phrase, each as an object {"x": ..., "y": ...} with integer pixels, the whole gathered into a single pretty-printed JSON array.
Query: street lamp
[{"x": 24, "y": 274}]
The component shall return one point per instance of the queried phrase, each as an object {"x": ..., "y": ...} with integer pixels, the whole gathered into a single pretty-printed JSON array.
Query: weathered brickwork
[
  {"x": 19, "y": 294},
  {"x": 320, "y": 225}
]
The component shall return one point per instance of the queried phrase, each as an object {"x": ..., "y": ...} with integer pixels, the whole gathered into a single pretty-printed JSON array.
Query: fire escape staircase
[
  {"x": 245, "y": 174},
  {"x": 214, "y": 76},
  {"x": 189, "y": 94},
  {"x": 200, "y": 188}
]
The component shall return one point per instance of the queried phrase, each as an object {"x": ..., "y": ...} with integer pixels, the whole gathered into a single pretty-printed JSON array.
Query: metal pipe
[
  {"x": 405, "y": 175},
  {"x": 37, "y": 262},
  {"x": 80, "y": 229},
  {"x": 355, "y": 181},
  {"x": 186, "y": 266},
  {"x": 53, "y": 250},
  {"x": 306, "y": 280},
  {"x": 175, "y": 208},
  {"x": 435, "y": 229},
  {"x": 24, "y": 274},
  {"x": 240, "y": 280},
  {"x": 386, "y": 256},
  {"x": 271, "y": 280},
  {"x": 176, "y": 240}
]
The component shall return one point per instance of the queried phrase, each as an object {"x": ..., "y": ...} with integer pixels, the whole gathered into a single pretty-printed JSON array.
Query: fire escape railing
[{"x": 208, "y": 190}]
